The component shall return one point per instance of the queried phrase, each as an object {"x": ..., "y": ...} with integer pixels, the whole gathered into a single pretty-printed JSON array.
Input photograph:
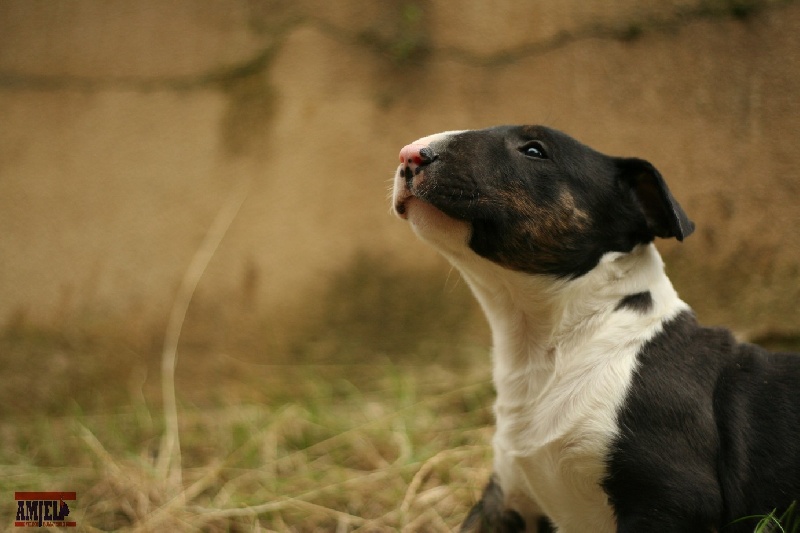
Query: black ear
[{"x": 665, "y": 217}]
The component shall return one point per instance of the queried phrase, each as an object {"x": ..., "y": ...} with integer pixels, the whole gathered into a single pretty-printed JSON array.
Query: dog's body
[{"x": 615, "y": 410}]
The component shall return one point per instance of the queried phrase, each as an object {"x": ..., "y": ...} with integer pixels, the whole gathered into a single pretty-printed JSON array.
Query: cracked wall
[{"x": 126, "y": 125}]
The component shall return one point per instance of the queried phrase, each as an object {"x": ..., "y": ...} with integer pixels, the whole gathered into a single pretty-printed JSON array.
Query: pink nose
[{"x": 415, "y": 156}]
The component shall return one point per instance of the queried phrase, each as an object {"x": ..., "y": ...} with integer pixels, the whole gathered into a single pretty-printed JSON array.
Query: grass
[
  {"x": 410, "y": 454},
  {"x": 787, "y": 522},
  {"x": 377, "y": 447}
]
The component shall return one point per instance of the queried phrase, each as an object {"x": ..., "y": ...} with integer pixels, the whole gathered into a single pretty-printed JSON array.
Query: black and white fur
[{"x": 615, "y": 410}]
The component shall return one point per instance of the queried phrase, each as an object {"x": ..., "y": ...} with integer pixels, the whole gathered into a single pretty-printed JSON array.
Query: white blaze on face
[
  {"x": 429, "y": 223},
  {"x": 401, "y": 191}
]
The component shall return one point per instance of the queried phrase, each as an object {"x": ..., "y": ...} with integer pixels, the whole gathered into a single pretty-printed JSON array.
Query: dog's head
[{"x": 532, "y": 199}]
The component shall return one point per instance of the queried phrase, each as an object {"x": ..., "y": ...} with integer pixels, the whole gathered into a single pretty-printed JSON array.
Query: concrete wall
[{"x": 124, "y": 126}]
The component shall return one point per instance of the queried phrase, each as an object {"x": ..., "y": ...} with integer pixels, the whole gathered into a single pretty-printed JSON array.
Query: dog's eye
[{"x": 534, "y": 149}]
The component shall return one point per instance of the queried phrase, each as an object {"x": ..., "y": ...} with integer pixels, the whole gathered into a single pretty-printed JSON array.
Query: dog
[{"x": 615, "y": 410}]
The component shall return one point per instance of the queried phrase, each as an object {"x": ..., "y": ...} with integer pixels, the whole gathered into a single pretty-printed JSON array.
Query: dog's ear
[{"x": 664, "y": 216}]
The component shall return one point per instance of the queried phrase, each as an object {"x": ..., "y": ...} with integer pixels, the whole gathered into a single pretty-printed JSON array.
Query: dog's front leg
[{"x": 490, "y": 515}]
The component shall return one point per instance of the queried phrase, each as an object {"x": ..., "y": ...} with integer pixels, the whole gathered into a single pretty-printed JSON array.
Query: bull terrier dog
[{"x": 615, "y": 410}]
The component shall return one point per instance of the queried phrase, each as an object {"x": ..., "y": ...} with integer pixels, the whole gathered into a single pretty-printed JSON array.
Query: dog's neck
[{"x": 539, "y": 324}]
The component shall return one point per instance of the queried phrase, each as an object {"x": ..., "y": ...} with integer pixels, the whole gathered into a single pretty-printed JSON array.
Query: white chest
[
  {"x": 550, "y": 452},
  {"x": 555, "y": 424},
  {"x": 564, "y": 359},
  {"x": 559, "y": 474}
]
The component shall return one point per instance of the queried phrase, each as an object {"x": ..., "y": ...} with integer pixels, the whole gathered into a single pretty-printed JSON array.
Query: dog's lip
[
  {"x": 400, "y": 206},
  {"x": 404, "y": 193}
]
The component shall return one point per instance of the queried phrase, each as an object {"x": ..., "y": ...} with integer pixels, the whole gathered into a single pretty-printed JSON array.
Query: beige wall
[{"x": 125, "y": 125}]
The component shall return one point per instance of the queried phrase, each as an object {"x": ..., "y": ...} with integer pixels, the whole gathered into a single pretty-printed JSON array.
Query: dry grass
[{"x": 391, "y": 459}]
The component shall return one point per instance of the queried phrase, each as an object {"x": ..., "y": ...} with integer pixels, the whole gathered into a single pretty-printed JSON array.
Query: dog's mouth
[
  {"x": 400, "y": 209},
  {"x": 402, "y": 191},
  {"x": 425, "y": 183},
  {"x": 410, "y": 185},
  {"x": 418, "y": 186}
]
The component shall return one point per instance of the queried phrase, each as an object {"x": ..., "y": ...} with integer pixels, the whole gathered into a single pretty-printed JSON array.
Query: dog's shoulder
[
  {"x": 688, "y": 360},
  {"x": 705, "y": 414}
]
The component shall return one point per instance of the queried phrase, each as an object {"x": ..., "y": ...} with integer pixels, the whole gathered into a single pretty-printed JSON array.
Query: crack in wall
[
  {"x": 215, "y": 78},
  {"x": 416, "y": 52},
  {"x": 625, "y": 31}
]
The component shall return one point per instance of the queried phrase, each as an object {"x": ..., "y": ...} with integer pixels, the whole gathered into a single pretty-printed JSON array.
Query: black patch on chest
[{"x": 641, "y": 302}]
